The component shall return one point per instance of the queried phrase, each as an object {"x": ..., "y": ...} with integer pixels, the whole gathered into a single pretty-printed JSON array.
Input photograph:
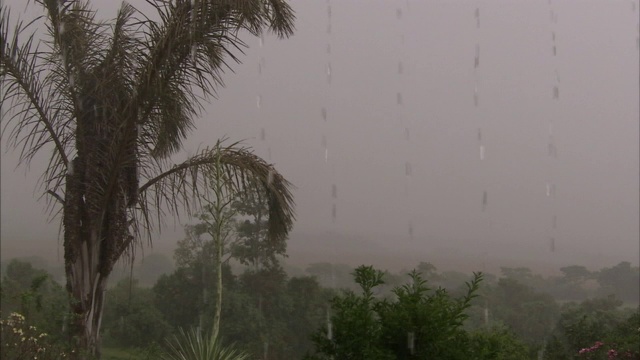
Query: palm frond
[
  {"x": 186, "y": 55},
  {"x": 281, "y": 18},
  {"x": 32, "y": 118},
  {"x": 194, "y": 344},
  {"x": 115, "y": 100},
  {"x": 184, "y": 185}
]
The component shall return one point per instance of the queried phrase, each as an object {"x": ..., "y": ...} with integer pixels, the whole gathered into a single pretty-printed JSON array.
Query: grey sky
[{"x": 595, "y": 127}]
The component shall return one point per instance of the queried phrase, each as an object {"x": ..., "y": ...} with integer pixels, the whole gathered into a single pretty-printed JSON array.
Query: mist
[{"x": 397, "y": 172}]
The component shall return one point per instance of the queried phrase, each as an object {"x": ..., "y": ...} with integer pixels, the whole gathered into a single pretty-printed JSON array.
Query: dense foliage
[
  {"x": 417, "y": 323},
  {"x": 406, "y": 315}
]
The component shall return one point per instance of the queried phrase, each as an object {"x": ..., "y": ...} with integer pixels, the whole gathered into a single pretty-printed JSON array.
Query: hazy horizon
[{"x": 402, "y": 201}]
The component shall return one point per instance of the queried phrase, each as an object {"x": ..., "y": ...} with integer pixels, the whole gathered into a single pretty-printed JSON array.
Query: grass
[{"x": 115, "y": 353}]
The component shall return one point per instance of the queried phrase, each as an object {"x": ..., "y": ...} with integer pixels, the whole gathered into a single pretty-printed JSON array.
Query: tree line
[{"x": 337, "y": 312}]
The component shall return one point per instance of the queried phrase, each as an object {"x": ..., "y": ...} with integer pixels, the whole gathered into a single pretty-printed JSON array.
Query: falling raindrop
[
  {"x": 399, "y": 98},
  {"x": 410, "y": 229},
  {"x": 194, "y": 53},
  {"x": 334, "y": 191},
  {"x": 479, "y": 135},
  {"x": 551, "y": 148},
  {"x": 259, "y": 68},
  {"x": 486, "y": 315},
  {"x": 323, "y": 113},
  {"x": 552, "y": 244},
  {"x": 333, "y": 212},
  {"x": 556, "y": 92},
  {"x": 261, "y": 40},
  {"x": 484, "y": 200},
  {"x": 72, "y": 80},
  {"x": 407, "y": 169},
  {"x": 329, "y": 73},
  {"x": 259, "y": 101},
  {"x": 548, "y": 189},
  {"x": 263, "y": 134},
  {"x": 329, "y": 328},
  {"x": 329, "y": 11},
  {"x": 326, "y": 155},
  {"x": 399, "y": 13},
  {"x": 481, "y": 152},
  {"x": 477, "y": 15},
  {"x": 476, "y": 63},
  {"x": 553, "y": 36},
  {"x": 476, "y": 100},
  {"x": 411, "y": 341},
  {"x": 61, "y": 28},
  {"x": 70, "y": 169},
  {"x": 269, "y": 153},
  {"x": 270, "y": 177},
  {"x": 266, "y": 350},
  {"x": 555, "y": 51}
]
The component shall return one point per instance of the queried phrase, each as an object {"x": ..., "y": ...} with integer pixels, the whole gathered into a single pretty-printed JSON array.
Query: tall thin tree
[{"x": 111, "y": 102}]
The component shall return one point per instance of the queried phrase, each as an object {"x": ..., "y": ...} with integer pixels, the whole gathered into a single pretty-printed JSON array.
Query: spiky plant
[
  {"x": 194, "y": 344},
  {"x": 110, "y": 102}
]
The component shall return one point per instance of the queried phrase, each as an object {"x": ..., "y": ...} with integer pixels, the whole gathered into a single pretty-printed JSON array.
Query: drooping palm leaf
[{"x": 176, "y": 188}]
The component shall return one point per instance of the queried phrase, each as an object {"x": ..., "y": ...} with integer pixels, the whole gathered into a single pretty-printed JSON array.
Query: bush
[
  {"x": 193, "y": 344},
  {"x": 496, "y": 344},
  {"x": 418, "y": 324},
  {"x": 18, "y": 341}
]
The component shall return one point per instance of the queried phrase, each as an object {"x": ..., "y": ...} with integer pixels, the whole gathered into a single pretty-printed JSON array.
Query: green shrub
[
  {"x": 19, "y": 340},
  {"x": 193, "y": 344}
]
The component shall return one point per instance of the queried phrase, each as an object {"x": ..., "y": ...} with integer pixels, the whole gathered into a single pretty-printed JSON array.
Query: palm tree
[{"x": 111, "y": 102}]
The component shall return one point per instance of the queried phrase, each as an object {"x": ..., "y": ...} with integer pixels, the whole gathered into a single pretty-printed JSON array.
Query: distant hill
[{"x": 448, "y": 255}]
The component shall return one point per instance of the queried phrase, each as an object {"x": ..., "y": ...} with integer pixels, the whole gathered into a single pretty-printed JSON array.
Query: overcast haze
[{"x": 594, "y": 125}]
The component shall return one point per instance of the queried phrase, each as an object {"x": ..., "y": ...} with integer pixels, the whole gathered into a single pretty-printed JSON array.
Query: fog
[{"x": 402, "y": 149}]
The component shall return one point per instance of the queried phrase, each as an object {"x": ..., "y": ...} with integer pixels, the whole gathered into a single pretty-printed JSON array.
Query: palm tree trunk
[
  {"x": 87, "y": 299},
  {"x": 92, "y": 245},
  {"x": 218, "y": 289},
  {"x": 218, "y": 241}
]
